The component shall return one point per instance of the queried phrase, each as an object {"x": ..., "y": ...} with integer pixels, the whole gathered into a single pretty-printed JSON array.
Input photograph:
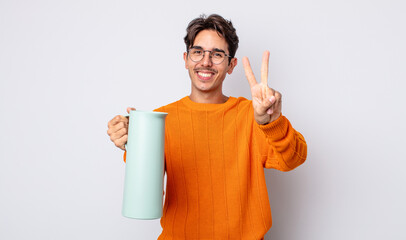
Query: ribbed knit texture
[{"x": 215, "y": 155}]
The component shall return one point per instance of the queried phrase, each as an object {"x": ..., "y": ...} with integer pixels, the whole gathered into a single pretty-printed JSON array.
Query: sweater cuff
[
  {"x": 125, "y": 156},
  {"x": 277, "y": 129}
]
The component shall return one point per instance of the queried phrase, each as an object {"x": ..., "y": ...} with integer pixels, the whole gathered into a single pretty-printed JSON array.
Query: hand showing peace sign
[{"x": 266, "y": 101}]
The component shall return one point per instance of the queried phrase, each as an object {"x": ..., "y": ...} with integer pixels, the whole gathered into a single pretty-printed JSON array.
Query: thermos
[{"x": 144, "y": 170}]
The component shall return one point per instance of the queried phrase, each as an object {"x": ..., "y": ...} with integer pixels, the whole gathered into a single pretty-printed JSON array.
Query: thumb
[{"x": 129, "y": 109}]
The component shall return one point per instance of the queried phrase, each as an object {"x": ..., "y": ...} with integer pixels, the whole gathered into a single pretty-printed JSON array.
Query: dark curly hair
[{"x": 214, "y": 22}]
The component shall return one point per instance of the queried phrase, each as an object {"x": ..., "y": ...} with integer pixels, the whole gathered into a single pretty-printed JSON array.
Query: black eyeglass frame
[{"x": 210, "y": 51}]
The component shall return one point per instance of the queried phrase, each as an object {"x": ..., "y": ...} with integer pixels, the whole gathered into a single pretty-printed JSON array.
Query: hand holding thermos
[{"x": 118, "y": 129}]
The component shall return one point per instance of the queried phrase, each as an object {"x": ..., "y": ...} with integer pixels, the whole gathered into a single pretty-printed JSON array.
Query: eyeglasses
[{"x": 197, "y": 54}]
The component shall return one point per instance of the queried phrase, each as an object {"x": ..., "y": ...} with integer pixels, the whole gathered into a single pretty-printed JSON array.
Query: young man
[{"x": 217, "y": 146}]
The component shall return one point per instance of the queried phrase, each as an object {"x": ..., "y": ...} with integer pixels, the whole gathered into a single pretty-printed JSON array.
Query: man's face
[{"x": 206, "y": 76}]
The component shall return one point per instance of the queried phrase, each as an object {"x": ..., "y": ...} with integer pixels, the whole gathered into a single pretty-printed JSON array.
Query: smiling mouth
[{"x": 205, "y": 74}]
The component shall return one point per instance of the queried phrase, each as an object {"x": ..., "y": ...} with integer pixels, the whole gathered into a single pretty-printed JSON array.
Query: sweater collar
[{"x": 208, "y": 106}]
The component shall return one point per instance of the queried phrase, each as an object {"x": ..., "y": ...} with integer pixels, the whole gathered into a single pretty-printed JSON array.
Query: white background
[{"x": 68, "y": 67}]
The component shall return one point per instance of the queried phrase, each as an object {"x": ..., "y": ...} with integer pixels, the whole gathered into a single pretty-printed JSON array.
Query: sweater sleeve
[{"x": 287, "y": 148}]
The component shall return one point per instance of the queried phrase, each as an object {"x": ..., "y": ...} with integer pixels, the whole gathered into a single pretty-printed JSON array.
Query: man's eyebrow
[
  {"x": 196, "y": 47},
  {"x": 214, "y": 49},
  {"x": 219, "y": 50}
]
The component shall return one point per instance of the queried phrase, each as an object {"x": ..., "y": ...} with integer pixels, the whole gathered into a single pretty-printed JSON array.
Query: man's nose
[{"x": 206, "y": 61}]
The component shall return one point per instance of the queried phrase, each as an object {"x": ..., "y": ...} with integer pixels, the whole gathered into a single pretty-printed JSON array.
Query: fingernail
[
  {"x": 272, "y": 99},
  {"x": 269, "y": 111}
]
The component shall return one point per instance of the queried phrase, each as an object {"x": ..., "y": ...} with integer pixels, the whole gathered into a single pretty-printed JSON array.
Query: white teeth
[{"x": 204, "y": 74}]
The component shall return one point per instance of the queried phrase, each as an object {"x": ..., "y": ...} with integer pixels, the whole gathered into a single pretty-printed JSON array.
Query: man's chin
[{"x": 203, "y": 88}]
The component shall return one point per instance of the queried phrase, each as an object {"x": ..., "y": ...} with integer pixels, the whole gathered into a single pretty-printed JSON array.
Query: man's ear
[
  {"x": 185, "y": 58},
  {"x": 233, "y": 63}
]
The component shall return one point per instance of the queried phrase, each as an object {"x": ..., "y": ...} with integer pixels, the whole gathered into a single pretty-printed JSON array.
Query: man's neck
[{"x": 208, "y": 98}]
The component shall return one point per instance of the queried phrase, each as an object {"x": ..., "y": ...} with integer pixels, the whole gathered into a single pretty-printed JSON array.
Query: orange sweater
[{"x": 214, "y": 156}]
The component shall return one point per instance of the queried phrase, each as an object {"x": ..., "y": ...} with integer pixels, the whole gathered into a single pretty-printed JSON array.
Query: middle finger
[{"x": 264, "y": 68}]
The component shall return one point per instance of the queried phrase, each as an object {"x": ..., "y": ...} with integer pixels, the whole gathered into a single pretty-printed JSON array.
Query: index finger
[
  {"x": 117, "y": 119},
  {"x": 264, "y": 68},
  {"x": 248, "y": 72}
]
